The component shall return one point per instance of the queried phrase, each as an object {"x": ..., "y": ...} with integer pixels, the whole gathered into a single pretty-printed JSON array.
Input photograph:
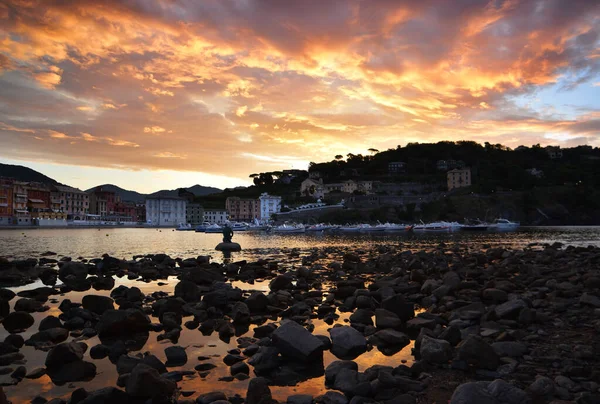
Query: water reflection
[{"x": 126, "y": 243}]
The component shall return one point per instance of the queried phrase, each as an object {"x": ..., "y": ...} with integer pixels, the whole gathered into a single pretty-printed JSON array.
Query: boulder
[
  {"x": 28, "y": 305},
  {"x": 397, "y": 305},
  {"x": 496, "y": 392},
  {"x": 97, "y": 304},
  {"x": 17, "y": 321},
  {"x": 347, "y": 342},
  {"x": 512, "y": 349},
  {"x": 281, "y": 282},
  {"x": 122, "y": 322},
  {"x": 49, "y": 322},
  {"x": 387, "y": 319},
  {"x": 258, "y": 392},
  {"x": 297, "y": 342},
  {"x": 590, "y": 300},
  {"x": 495, "y": 295},
  {"x": 72, "y": 372},
  {"x": 145, "y": 382},
  {"x": 390, "y": 338},
  {"x": 75, "y": 269},
  {"x": 188, "y": 291},
  {"x": 206, "y": 276},
  {"x": 257, "y": 302},
  {"x": 510, "y": 308},
  {"x": 240, "y": 313},
  {"x": 475, "y": 351},
  {"x": 435, "y": 350},
  {"x": 362, "y": 316},
  {"x": 335, "y": 367},
  {"x": 47, "y": 337},
  {"x": 65, "y": 353},
  {"x": 542, "y": 388},
  {"x": 228, "y": 247},
  {"x": 176, "y": 356}
]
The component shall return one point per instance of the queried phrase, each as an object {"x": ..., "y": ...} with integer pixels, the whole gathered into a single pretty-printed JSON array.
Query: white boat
[
  {"x": 394, "y": 227},
  {"x": 504, "y": 224},
  {"x": 320, "y": 227},
  {"x": 350, "y": 229},
  {"x": 238, "y": 226},
  {"x": 367, "y": 228},
  {"x": 213, "y": 228},
  {"x": 184, "y": 227},
  {"x": 436, "y": 227},
  {"x": 289, "y": 228},
  {"x": 202, "y": 228}
]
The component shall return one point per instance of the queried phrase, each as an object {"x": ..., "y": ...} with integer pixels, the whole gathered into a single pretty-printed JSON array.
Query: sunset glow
[{"x": 219, "y": 89}]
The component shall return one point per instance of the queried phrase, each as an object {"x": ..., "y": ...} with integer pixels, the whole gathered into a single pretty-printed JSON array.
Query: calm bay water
[{"x": 125, "y": 243}]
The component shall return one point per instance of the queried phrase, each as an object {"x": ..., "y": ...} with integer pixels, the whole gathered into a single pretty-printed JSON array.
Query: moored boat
[
  {"x": 504, "y": 224},
  {"x": 289, "y": 228},
  {"x": 213, "y": 228},
  {"x": 184, "y": 227}
]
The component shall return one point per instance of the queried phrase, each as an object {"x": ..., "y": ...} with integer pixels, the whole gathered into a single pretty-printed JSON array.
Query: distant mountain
[
  {"x": 21, "y": 173},
  {"x": 124, "y": 194},
  {"x": 132, "y": 196},
  {"x": 197, "y": 190}
]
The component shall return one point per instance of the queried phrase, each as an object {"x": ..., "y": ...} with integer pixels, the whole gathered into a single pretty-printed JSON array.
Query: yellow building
[{"x": 459, "y": 178}]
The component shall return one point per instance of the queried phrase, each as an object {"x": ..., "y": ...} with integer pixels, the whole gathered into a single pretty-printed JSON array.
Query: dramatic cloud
[{"x": 231, "y": 87}]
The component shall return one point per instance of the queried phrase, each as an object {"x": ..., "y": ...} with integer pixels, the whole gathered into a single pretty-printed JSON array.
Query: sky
[{"x": 169, "y": 93}]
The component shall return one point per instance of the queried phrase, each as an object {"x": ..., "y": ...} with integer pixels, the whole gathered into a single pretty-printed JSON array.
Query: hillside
[
  {"x": 197, "y": 190},
  {"x": 21, "y": 173},
  {"x": 124, "y": 194},
  {"x": 132, "y": 196}
]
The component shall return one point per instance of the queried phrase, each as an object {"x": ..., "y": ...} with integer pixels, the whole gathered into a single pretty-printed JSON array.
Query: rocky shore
[{"x": 490, "y": 326}]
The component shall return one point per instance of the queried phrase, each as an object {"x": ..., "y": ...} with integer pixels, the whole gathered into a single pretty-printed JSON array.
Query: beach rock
[
  {"x": 154, "y": 362},
  {"x": 18, "y": 321},
  {"x": 257, "y": 302},
  {"x": 75, "y": 269},
  {"x": 126, "y": 363},
  {"x": 145, "y": 381},
  {"x": 188, "y": 291},
  {"x": 331, "y": 397},
  {"x": 265, "y": 360},
  {"x": 512, "y": 349},
  {"x": 347, "y": 342},
  {"x": 495, "y": 295},
  {"x": 300, "y": 399},
  {"x": 176, "y": 356},
  {"x": 206, "y": 276},
  {"x": 122, "y": 322},
  {"x": 362, "y": 316},
  {"x": 258, "y": 392},
  {"x": 335, "y": 367},
  {"x": 296, "y": 342},
  {"x": 589, "y": 300},
  {"x": 479, "y": 353},
  {"x": 99, "y": 351},
  {"x": 97, "y": 304},
  {"x": 390, "y": 338},
  {"x": 435, "y": 350},
  {"x": 281, "y": 282},
  {"x": 496, "y": 392},
  {"x": 28, "y": 305},
  {"x": 72, "y": 372},
  {"x": 65, "y": 353},
  {"x": 36, "y": 373},
  {"x": 49, "y": 336},
  {"x": 211, "y": 397},
  {"x": 228, "y": 247},
  {"x": 110, "y": 395},
  {"x": 542, "y": 388},
  {"x": 399, "y": 306},
  {"x": 510, "y": 308},
  {"x": 239, "y": 367},
  {"x": 387, "y": 319},
  {"x": 49, "y": 322},
  {"x": 240, "y": 313}
]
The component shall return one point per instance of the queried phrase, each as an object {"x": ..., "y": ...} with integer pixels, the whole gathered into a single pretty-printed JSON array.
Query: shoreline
[{"x": 503, "y": 317}]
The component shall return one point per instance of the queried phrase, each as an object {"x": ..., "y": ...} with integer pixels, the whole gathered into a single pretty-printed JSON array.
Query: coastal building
[
  {"x": 243, "y": 210},
  {"x": 194, "y": 213},
  {"x": 269, "y": 205},
  {"x": 216, "y": 216},
  {"x": 396, "y": 167},
  {"x": 165, "y": 211},
  {"x": 554, "y": 152},
  {"x": 125, "y": 212},
  {"x": 459, "y": 178},
  {"x": 312, "y": 187},
  {"x": 140, "y": 211},
  {"x": 351, "y": 186},
  {"x": 102, "y": 201},
  {"x": 74, "y": 202},
  {"x": 6, "y": 201},
  {"x": 38, "y": 199}
]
